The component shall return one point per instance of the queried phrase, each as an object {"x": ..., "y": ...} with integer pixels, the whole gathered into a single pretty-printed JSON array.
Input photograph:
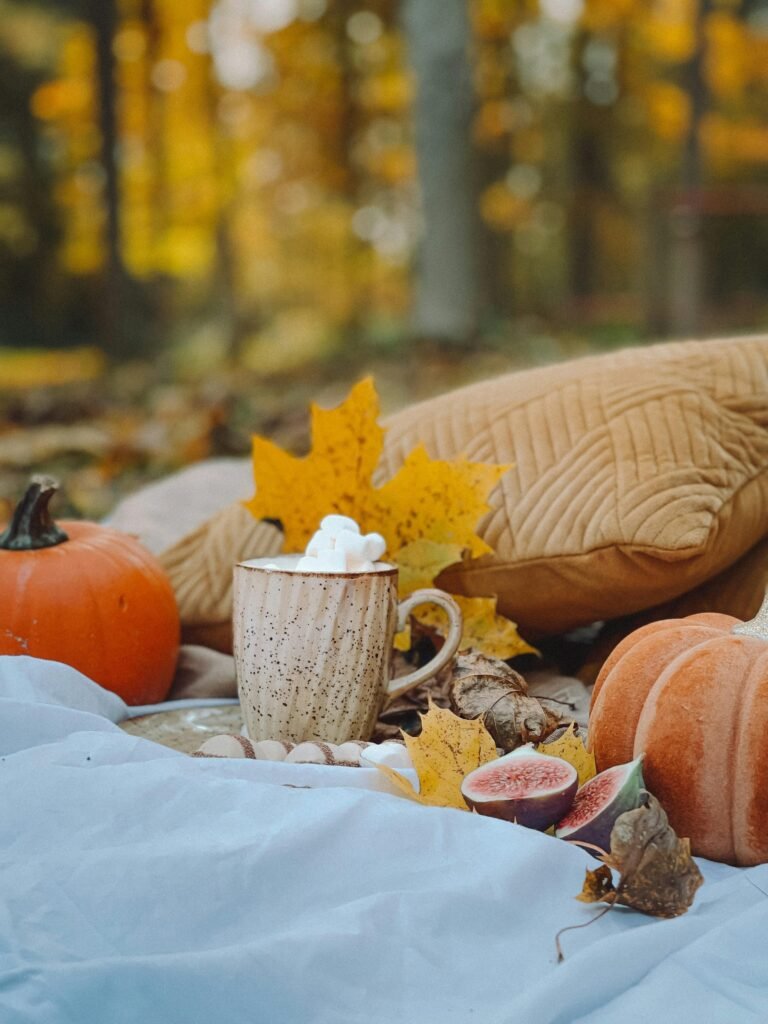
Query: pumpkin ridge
[
  {"x": 98, "y": 637},
  {"x": 616, "y": 709},
  {"x": 702, "y": 687},
  {"x": 748, "y": 717},
  {"x": 687, "y": 767},
  {"x": 626, "y": 645}
]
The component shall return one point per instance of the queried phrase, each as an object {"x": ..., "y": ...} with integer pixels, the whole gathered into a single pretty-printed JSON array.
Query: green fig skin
[{"x": 596, "y": 830}]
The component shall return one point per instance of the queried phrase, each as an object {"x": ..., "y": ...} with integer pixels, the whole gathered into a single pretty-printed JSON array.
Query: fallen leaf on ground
[
  {"x": 489, "y": 690},
  {"x": 447, "y": 749},
  {"x": 570, "y": 748},
  {"x": 658, "y": 874},
  {"x": 40, "y": 368},
  {"x": 598, "y": 886}
]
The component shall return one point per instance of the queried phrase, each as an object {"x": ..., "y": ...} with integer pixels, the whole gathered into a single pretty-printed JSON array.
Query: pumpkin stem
[
  {"x": 31, "y": 526},
  {"x": 758, "y": 626}
]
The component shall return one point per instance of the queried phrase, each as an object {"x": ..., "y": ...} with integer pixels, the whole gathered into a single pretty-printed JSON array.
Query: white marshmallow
[
  {"x": 325, "y": 561},
  {"x": 352, "y": 544},
  {"x": 376, "y": 546},
  {"x": 337, "y": 524},
  {"x": 332, "y": 561},
  {"x": 321, "y": 541},
  {"x": 391, "y": 753}
]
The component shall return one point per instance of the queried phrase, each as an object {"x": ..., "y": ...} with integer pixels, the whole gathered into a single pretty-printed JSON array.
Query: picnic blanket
[{"x": 142, "y": 885}]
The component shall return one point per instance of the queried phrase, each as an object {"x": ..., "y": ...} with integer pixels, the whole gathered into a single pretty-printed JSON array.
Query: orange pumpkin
[
  {"x": 692, "y": 694},
  {"x": 88, "y": 596}
]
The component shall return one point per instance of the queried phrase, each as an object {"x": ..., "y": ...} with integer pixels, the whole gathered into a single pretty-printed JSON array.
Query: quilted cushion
[{"x": 638, "y": 475}]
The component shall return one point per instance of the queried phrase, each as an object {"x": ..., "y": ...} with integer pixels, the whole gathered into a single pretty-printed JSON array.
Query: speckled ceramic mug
[{"x": 313, "y": 650}]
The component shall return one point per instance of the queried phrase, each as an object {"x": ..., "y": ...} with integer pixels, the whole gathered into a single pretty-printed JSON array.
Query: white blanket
[{"x": 141, "y": 885}]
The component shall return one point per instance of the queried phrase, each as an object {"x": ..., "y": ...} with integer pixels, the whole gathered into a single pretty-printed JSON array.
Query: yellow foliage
[
  {"x": 38, "y": 368},
  {"x": 670, "y": 30},
  {"x": 422, "y": 561},
  {"x": 570, "y": 748},
  {"x": 436, "y": 499},
  {"x": 427, "y": 498},
  {"x": 669, "y": 110},
  {"x": 501, "y": 208},
  {"x": 390, "y": 91},
  {"x": 484, "y": 629},
  {"x": 447, "y": 749},
  {"x": 427, "y": 512},
  {"x": 334, "y": 477},
  {"x": 600, "y": 15},
  {"x": 726, "y": 68}
]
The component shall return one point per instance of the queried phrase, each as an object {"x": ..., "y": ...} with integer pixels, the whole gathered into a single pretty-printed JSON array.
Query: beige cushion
[{"x": 638, "y": 475}]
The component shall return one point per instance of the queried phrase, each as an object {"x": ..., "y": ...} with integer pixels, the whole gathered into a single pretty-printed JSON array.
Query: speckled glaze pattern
[{"x": 313, "y": 651}]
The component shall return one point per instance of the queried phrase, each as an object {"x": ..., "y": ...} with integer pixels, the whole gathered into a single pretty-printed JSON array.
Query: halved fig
[
  {"x": 525, "y": 786},
  {"x": 599, "y": 803}
]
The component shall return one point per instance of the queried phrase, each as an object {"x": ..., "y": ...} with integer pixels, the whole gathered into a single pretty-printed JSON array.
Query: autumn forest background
[{"x": 213, "y": 211}]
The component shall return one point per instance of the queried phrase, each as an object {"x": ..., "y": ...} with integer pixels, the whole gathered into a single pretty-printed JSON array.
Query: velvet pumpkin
[
  {"x": 88, "y": 596},
  {"x": 692, "y": 694}
]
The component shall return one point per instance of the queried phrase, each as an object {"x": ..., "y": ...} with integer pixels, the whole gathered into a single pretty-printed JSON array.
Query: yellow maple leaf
[
  {"x": 484, "y": 629},
  {"x": 436, "y": 499},
  {"x": 447, "y": 749},
  {"x": 427, "y": 512},
  {"x": 570, "y": 748},
  {"x": 422, "y": 560},
  {"x": 334, "y": 477},
  {"x": 427, "y": 498}
]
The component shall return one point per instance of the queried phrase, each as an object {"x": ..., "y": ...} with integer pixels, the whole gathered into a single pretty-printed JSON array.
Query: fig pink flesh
[
  {"x": 522, "y": 777},
  {"x": 525, "y": 787},
  {"x": 593, "y": 796}
]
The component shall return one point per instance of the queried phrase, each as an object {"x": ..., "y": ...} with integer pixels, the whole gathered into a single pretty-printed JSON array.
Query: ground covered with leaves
[{"x": 103, "y": 430}]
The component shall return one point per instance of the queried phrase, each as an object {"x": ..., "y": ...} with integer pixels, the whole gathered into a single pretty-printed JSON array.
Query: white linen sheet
[{"x": 138, "y": 884}]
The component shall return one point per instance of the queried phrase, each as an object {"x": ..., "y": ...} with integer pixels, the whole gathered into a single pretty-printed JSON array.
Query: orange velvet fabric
[{"x": 693, "y": 697}]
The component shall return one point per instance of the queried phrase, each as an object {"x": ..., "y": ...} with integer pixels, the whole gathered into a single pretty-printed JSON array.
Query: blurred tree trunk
[
  {"x": 686, "y": 258},
  {"x": 448, "y": 288},
  {"x": 103, "y": 17}
]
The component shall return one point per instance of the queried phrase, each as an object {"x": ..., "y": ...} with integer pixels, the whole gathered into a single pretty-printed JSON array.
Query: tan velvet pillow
[{"x": 638, "y": 475}]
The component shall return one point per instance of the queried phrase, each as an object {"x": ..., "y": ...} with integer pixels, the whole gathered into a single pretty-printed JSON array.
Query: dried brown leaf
[
  {"x": 598, "y": 886},
  {"x": 658, "y": 874},
  {"x": 489, "y": 689}
]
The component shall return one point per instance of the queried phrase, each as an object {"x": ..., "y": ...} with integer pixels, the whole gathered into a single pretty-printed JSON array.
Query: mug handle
[{"x": 456, "y": 624}]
